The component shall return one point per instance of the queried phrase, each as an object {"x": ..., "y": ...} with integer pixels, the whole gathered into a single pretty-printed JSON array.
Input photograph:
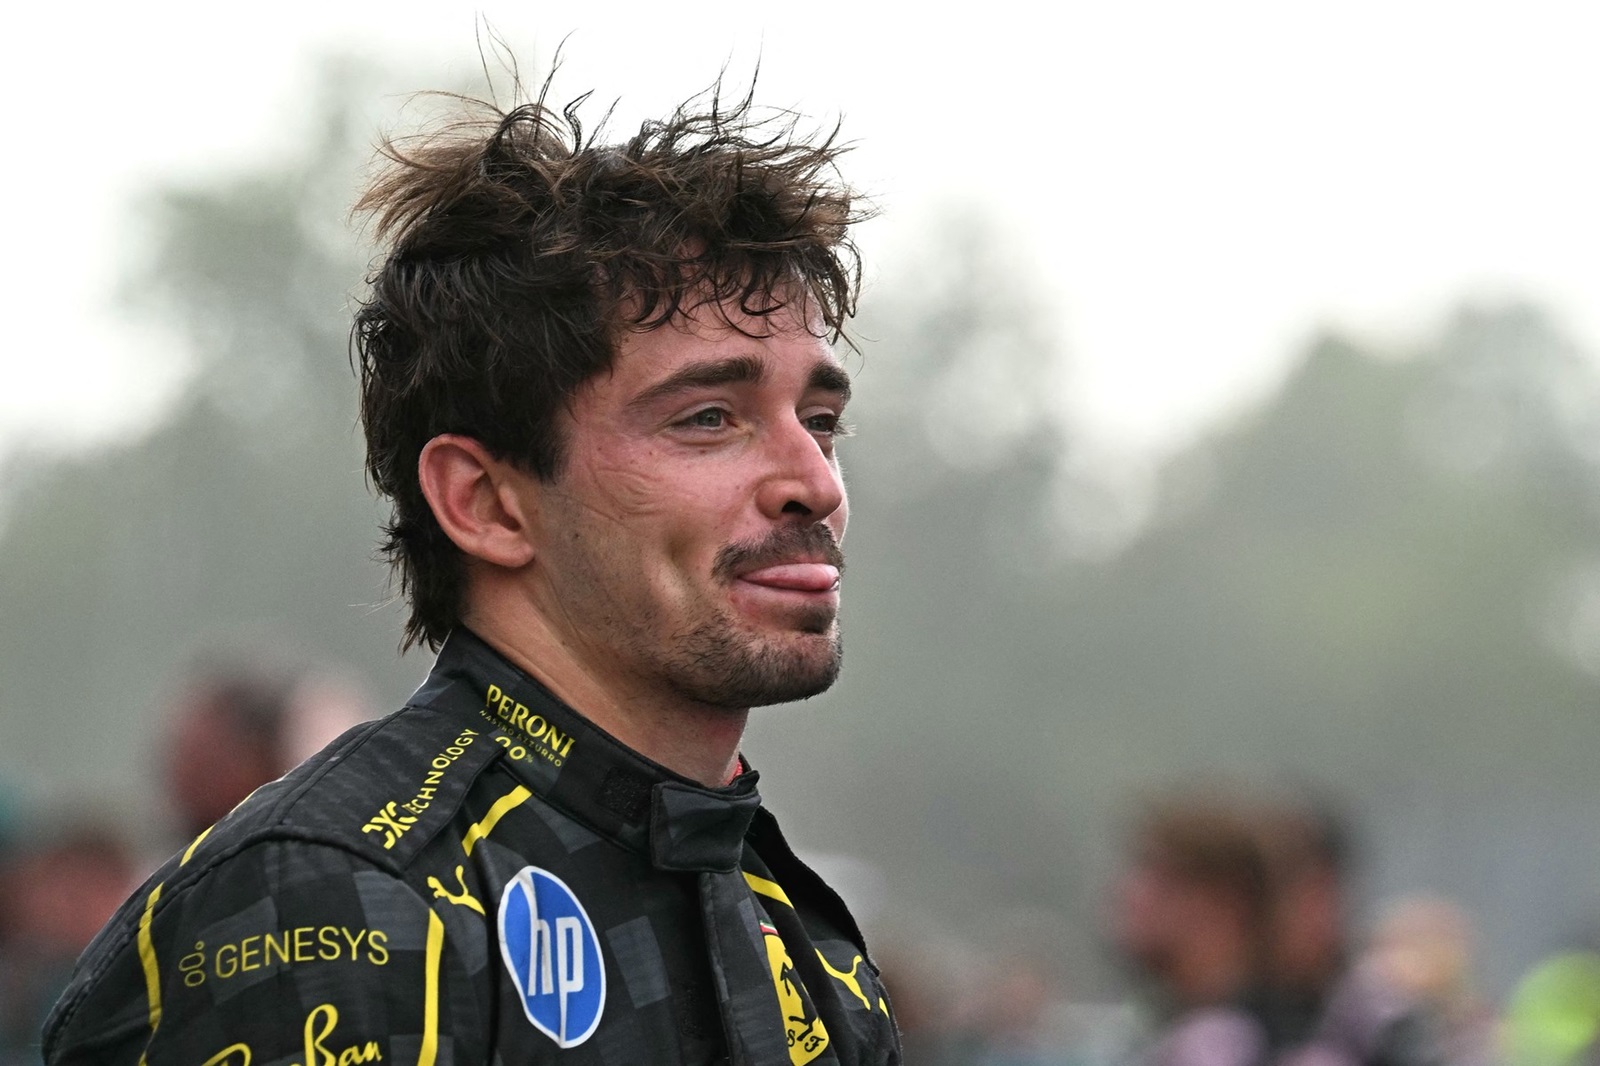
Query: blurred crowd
[
  {"x": 230, "y": 728},
  {"x": 1234, "y": 915},
  {"x": 1231, "y": 921}
]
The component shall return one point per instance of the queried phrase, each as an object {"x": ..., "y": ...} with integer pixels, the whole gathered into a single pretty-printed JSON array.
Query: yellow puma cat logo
[{"x": 461, "y": 899}]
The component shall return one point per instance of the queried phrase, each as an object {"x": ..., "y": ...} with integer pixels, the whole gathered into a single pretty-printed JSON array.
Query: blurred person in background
[
  {"x": 1007, "y": 1003},
  {"x": 224, "y": 740},
  {"x": 1310, "y": 850},
  {"x": 1022, "y": 1014},
  {"x": 1423, "y": 946},
  {"x": 231, "y": 729},
  {"x": 234, "y": 727},
  {"x": 1322, "y": 1003},
  {"x": 58, "y": 886},
  {"x": 1235, "y": 912},
  {"x": 1192, "y": 917},
  {"x": 936, "y": 980},
  {"x": 599, "y": 390}
]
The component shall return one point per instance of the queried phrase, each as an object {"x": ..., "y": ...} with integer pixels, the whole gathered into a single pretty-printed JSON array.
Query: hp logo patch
[{"x": 550, "y": 947}]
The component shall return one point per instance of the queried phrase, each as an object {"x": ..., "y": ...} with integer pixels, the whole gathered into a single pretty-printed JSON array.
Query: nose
[{"x": 801, "y": 480}]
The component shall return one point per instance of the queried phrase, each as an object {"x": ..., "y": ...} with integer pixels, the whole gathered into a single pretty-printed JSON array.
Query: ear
[{"x": 476, "y": 500}]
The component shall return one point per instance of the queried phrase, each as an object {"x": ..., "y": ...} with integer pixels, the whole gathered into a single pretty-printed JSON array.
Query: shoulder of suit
[{"x": 382, "y": 791}]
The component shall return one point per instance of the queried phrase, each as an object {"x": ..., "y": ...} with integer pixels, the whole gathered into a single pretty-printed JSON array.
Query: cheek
[
  {"x": 629, "y": 496},
  {"x": 628, "y": 491},
  {"x": 653, "y": 518},
  {"x": 683, "y": 493}
]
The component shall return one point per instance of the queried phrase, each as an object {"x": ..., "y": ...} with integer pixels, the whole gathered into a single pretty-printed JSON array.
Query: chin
[{"x": 725, "y": 671}]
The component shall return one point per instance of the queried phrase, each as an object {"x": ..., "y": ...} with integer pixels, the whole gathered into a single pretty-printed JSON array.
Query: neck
[{"x": 698, "y": 741}]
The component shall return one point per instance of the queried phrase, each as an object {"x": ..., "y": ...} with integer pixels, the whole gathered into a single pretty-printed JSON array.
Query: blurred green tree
[{"x": 242, "y": 520}]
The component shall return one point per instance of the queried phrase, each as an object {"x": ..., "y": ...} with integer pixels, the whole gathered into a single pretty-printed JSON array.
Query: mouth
[
  {"x": 797, "y": 567},
  {"x": 797, "y": 576},
  {"x": 792, "y": 559}
]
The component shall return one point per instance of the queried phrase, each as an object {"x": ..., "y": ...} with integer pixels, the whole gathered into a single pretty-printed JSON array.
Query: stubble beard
[
  {"x": 718, "y": 665},
  {"x": 714, "y": 659}
]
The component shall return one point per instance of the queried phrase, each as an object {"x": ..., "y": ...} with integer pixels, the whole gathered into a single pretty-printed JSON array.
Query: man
[
  {"x": 1192, "y": 917},
  {"x": 234, "y": 727},
  {"x": 597, "y": 388},
  {"x": 1327, "y": 1004}
]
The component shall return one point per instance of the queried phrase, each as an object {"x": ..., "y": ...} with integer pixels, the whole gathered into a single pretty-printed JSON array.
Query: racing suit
[{"x": 482, "y": 877}]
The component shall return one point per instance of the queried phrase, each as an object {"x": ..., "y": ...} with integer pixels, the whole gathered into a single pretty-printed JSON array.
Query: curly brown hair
[{"x": 518, "y": 251}]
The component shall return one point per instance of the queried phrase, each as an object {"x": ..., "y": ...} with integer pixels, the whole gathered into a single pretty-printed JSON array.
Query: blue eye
[
  {"x": 710, "y": 418},
  {"x": 828, "y": 424}
]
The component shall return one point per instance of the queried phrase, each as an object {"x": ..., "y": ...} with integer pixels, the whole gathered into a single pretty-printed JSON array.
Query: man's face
[
  {"x": 690, "y": 544},
  {"x": 1156, "y": 908}
]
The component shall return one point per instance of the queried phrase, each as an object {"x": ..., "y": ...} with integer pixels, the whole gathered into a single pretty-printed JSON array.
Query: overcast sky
[{"x": 1203, "y": 185}]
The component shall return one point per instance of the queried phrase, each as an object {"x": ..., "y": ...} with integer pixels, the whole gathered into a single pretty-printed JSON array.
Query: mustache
[{"x": 779, "y": 546}]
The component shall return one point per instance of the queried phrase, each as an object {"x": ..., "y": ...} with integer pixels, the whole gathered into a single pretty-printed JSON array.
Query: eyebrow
[
  {"x": 830, "y": 377},
  {"x": 738, "y": 370}
]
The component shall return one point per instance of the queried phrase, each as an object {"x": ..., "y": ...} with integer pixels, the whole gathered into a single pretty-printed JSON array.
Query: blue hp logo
[{"x": 550, "y": 947}]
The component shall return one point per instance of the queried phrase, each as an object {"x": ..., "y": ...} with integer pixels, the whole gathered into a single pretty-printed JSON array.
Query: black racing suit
[{"x": 482, "y": 877}]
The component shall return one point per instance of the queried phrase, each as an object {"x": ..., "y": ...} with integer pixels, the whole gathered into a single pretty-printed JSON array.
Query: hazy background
[{"x": 1228, "y": 405}]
